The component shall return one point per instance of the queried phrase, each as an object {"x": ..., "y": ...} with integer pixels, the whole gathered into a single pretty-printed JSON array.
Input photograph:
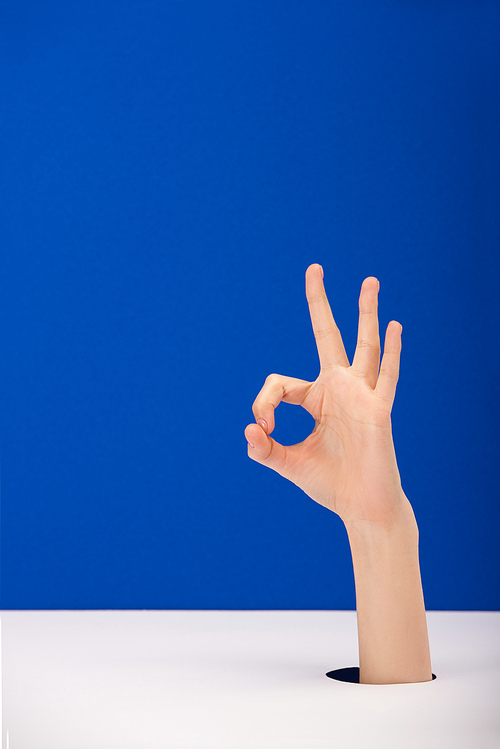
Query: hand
[{"x": 348, "y": 463}]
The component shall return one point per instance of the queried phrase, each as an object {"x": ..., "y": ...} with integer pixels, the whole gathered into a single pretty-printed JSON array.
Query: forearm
[{"x": 392, "y": 626}]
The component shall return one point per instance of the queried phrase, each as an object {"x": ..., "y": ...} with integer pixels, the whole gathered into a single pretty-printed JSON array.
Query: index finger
[{"x": 328, "y": 339}]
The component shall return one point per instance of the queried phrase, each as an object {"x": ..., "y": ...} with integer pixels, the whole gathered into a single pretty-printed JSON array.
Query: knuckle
[
  {"x": 389, "y": 374},
  {"x": 256, "y": 407},
  {"x": 368, "y": 344},
  {"x": 320, "y": 334},
  {"x": 267, "y": 400},
  {"x": 261, "y": 405},
  {"x": 316, "y": 298}
]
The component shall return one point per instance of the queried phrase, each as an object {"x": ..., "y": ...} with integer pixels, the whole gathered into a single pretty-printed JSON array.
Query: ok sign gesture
[{"x": 347, "y": 463}]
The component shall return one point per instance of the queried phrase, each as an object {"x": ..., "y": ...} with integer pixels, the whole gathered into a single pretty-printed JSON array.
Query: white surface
[{"x": 179, "y": 679}]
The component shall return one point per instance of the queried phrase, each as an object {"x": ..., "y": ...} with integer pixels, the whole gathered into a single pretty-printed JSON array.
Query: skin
[{"x": 348, "y": 464}]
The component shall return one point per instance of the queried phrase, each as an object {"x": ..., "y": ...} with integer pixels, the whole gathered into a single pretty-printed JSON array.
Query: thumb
[{"x": 263, "y": 449}]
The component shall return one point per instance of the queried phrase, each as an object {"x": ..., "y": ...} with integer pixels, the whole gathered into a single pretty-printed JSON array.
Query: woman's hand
[{"x": 348, "y": 462}]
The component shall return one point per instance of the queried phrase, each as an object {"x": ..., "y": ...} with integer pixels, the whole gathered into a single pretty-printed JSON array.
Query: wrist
[
  {"x": 401, "y": 523},
  {"x": 392, "y": 627}
]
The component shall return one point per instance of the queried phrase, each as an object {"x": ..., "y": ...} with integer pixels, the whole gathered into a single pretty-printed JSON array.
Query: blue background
[{"x": 168, "y": 172}]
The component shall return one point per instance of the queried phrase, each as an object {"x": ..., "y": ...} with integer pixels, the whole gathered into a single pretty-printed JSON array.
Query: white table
[{"x": 179, "y": 679}]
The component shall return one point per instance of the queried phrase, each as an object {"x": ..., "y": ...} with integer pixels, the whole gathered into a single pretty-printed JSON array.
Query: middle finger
[{"x": 366, "y": 359}]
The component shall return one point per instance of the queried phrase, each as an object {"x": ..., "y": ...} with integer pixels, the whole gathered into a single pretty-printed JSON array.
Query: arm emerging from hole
[{"x": 348, "y": 464}]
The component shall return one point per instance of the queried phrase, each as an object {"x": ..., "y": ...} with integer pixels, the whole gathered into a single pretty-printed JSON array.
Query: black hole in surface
[{"x": 352, "y": 674}]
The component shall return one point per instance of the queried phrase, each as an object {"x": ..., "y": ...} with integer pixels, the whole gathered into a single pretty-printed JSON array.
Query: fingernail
[{"x": 263, "y": 424}]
